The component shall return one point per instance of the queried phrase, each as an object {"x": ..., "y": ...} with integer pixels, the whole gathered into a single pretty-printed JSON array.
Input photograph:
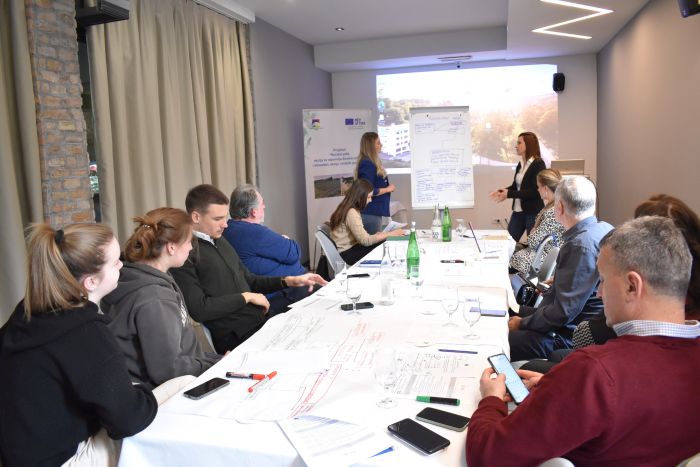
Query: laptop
[{"x": 569, "y": 166}]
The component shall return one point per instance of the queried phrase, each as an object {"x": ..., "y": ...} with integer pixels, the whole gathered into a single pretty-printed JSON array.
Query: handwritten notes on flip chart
[{"x": 441, "y": 157}]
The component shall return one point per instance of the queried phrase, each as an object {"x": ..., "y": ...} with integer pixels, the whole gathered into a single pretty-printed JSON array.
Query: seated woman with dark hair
[
  {"x": 350, "y": 237},
  {"x": 149, "y": 315}
]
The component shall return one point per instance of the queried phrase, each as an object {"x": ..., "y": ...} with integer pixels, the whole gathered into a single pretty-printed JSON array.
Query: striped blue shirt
[{"x": 689, "y": 330}]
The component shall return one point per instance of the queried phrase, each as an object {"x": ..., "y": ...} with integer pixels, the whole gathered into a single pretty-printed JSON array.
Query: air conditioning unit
[
  {"x": 100, "y": 12},
  {"x": 230, "y": 9}
]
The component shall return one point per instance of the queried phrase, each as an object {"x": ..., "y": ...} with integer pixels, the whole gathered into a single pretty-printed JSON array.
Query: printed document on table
[
  {"x": 324, "y": 441},
  {"x": 392, "y": 225}
]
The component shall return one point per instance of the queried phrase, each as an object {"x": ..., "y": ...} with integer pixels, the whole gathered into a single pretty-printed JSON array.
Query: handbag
[{"x": 525, "y": 291}]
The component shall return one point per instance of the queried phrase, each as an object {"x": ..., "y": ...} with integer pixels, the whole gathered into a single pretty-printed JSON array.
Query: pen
[
  {"x": 233, "y": 374},
  {"x": 458, "y": 351},
  {"x": 451, "y": 260},
  {"x": 438, "y": 400},
  {"x": 262, "y": 381}
]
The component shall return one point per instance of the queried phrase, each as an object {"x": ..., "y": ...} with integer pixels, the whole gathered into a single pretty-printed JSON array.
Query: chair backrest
[
  {"x": 539, "y": 257},
  {"x": 329, "y": 249},
  {"x": 548, "y": 265}
]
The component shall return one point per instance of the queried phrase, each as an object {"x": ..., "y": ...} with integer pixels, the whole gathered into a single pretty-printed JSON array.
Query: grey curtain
[
  {"x": 173, "y": 107},
  {"x": 20, "y": 177}
]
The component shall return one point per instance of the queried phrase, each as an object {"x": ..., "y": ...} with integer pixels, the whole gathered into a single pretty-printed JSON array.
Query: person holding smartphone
[
  {"x": 631, "y": 401},
  {"x": 66, "y": 393}
]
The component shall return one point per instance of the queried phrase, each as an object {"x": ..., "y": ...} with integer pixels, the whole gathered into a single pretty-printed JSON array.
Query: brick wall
[{"x": 60, "y": 123}]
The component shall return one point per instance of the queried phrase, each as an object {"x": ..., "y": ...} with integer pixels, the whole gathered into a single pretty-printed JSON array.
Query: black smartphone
[
  {"x": 418, "y": 436},
  {"x": 206, "y": 388},
  {"x": 443, "y": 418},
  {"x": 360, "y": 306},
  {"x": 359, "y": 274},
  {"x": 514, "y": 385}
]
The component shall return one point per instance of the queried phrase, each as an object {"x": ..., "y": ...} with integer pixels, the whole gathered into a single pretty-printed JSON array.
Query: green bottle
[
  {"x": 446, "y": 226},
  {"x": 413, "y": 253}
]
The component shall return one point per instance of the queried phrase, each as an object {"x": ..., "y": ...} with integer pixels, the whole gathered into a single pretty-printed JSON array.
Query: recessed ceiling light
[
  {"x": 596, "y": 12},
  {"x": 340, "y": 29}
]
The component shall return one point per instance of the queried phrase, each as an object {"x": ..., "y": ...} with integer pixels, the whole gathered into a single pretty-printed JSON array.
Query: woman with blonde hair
[
  {"x": 350, "y": 237},
  {"x": 545, "y": 223},
  {"x": 149, "y": 315},
  {"x": 369, "y": 167},
  {"x": 63, "y": 375},
  {"x": 523, "y": 190}
]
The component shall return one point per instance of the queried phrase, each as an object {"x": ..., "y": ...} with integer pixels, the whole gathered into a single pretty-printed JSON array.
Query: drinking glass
[
  {"x": 354, "y": 292},
  {"x": 416, "y": 278},
  {"x": 471, "y": 314},
  {"x": 386, "y": 372},
  {"x": 461, "y": 228},
  {"x": 341, "y": 273},
  {"x": 450, "y": 303}
]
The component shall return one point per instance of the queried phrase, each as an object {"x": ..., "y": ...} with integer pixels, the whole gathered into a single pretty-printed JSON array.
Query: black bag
[{"x": 525, "y": 292}]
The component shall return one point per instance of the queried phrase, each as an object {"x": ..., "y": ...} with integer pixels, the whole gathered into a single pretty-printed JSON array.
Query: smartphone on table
[
  {"x": 206, "y": 388},
  {"x": 417, "y": 436},
  {"x": 514, "y": 385},
  {"x": 443, "y": 418}
]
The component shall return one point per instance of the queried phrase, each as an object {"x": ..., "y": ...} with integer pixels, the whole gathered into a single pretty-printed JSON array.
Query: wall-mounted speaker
[
  {"x": 558, "y": 82},
  {"x": 689, "y": 7}
]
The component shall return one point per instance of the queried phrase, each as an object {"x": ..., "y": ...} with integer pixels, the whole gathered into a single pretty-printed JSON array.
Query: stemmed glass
[
  {"x": 386, "y": 372},
  {"x": 471, "y": 314},
  {"x": 450, "y": 303},
  {"x": 416, "y": 278},
  {"x": 341, "y": 273},
  {"x": 354, "y": 292}
]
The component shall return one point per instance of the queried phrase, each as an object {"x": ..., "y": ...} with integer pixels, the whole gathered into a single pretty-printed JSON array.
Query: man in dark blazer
[{"x": 219, "y": 290}]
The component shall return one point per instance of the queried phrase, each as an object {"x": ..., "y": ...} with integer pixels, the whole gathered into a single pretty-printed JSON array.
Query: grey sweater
[{"x": 154, "y": 331}]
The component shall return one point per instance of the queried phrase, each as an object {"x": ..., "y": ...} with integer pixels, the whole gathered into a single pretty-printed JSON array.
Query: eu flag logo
[{"x": 349, "y": 121}]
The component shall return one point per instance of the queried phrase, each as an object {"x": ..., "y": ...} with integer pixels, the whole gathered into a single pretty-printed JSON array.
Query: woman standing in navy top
[
  {"x": 526, "y": 200},
  {"x": 370, "y": 167}
]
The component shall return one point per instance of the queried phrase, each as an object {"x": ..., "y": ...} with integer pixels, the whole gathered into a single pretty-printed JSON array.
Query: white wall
[
  {"x": 577, "y": 129},
  {"x": 285, "y": 81},
  {"x": 649, "y": 107}
]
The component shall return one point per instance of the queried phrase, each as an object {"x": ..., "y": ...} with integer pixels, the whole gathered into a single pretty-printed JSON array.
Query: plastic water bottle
[{"x": 386, "y": 278}]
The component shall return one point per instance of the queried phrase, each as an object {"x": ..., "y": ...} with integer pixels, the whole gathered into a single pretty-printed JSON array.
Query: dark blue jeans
[
  {"x": 526, "y": 344},
  {"x": 519, "y": 223},
  {"x": 372, "y": 224}
]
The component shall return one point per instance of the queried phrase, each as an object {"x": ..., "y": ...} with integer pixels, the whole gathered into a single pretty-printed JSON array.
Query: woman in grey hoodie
[{"x": 148, "y": 312}]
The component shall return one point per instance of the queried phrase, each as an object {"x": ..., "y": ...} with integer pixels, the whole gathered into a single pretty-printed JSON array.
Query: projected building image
[{"x": 503, "y": 102}]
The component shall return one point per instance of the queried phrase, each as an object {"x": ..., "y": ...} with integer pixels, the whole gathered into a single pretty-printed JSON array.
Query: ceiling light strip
[{"x": 597, "y": 12}]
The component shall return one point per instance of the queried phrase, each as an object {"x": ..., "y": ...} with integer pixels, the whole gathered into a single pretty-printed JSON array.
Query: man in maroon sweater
[{"x": 633, "y": 401}]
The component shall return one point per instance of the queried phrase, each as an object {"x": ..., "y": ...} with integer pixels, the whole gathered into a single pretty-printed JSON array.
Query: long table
[{"x": 324, "y": 362}]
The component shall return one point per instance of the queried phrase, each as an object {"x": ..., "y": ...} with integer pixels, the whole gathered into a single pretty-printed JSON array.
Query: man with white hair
[
  {"x": 536, "y": 332},
  {"x": 631, "y": 401},
  {"x": 263, "y": 251}
]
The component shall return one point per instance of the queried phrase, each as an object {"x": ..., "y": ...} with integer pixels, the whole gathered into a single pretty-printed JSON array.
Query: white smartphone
[{"x": 514, "y": 385}]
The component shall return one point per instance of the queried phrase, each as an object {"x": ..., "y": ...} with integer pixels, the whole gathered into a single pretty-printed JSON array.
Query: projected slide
[{"x": 503, "y": 102}]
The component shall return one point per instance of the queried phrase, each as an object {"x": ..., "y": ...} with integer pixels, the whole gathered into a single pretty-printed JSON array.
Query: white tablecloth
[{"x": 220, "y": 429}]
